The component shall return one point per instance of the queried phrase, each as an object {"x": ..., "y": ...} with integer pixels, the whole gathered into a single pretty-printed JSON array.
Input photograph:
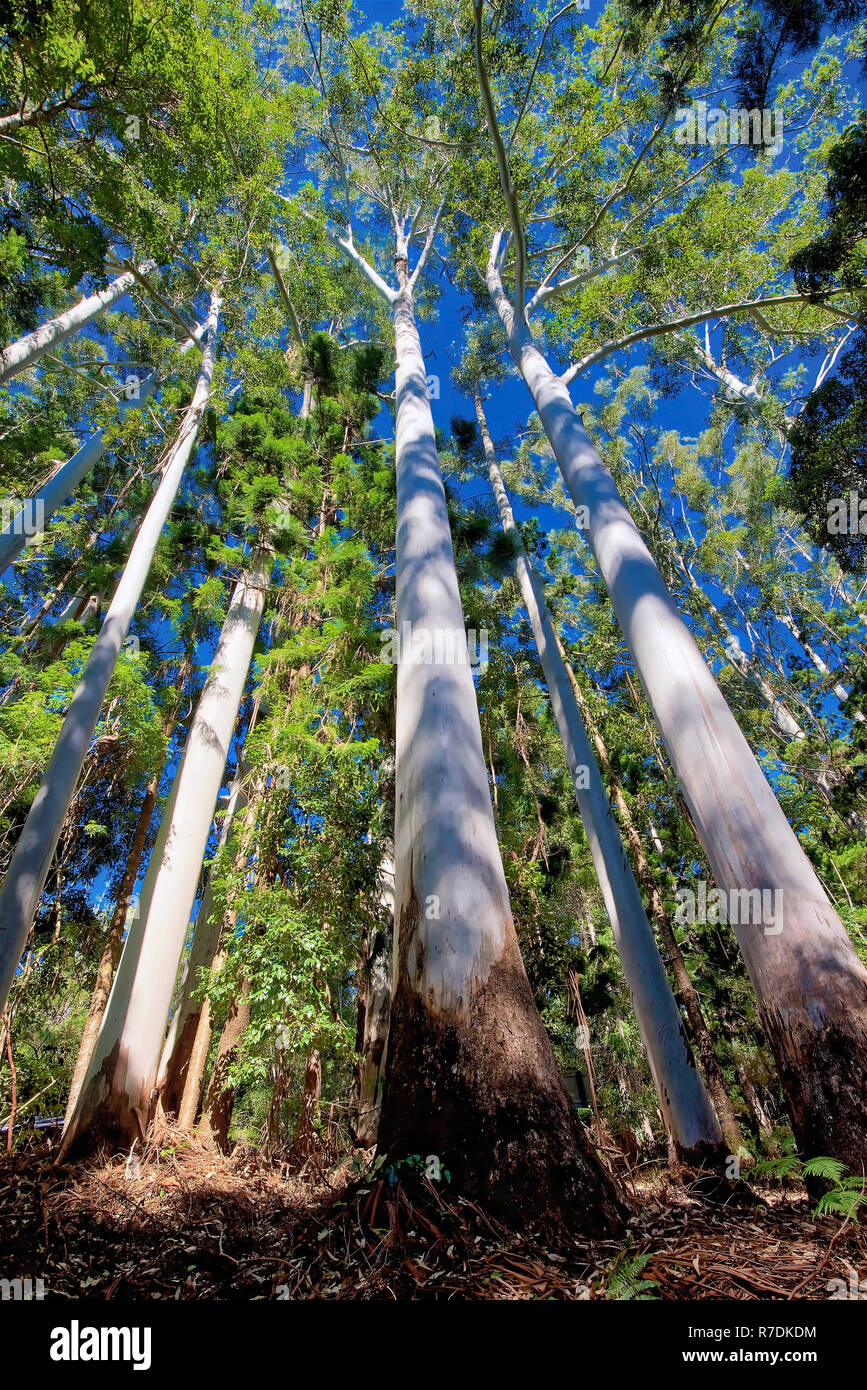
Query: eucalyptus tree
[
  {"x": 710, "y": 510},
  {"x": 113, "y": 945},
  {"x": 115, "y": 1096},
  {"x": 683, "y": 1100},
  {"x": 172, "y": 1079},
  {"x": 18, "y": 356},
  {"x": 471, "y": 1072},
  {"x": 28, "y": 868},
  {"x": 36, "y": 511},
  {"x": 811, "y": 986}
]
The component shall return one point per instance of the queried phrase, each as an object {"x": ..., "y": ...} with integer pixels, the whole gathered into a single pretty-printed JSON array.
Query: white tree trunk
[
  {"x": 38, "y": 510},
  {"x": 685, "y": 1105},
  {"x": 115, "y": 1099},
  {"x": 28, "y": 868},
  {"x": 206, "y": 940},
  {"x": 471, "y": 1071},
  {"x": 811, "y": 986},
  {"x": 442, "y": 796},
  {"x": 22, "y": 354}
]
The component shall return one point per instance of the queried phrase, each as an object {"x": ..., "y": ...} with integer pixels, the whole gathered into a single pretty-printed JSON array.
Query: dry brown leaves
[{"x": 190, "y": 1224}]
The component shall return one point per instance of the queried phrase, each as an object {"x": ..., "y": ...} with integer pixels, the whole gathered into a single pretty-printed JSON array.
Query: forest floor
[{"x": 188, "y": 1224}]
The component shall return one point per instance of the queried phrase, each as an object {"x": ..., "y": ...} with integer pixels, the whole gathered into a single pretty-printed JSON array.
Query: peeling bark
[{"x": 220, "y": 1099}]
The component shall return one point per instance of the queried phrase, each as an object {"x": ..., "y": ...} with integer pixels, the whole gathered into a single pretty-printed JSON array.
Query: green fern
[
  {"x": 830, "y": 1168},
  {"x": 845, "y": 1198},
  {"x": 846, "y": 1195},
  {"x": 624, "y": 1280},
  {"x": 787, "y": 1166}
]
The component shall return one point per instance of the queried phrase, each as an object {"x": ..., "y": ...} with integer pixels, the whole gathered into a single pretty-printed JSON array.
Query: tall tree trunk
[
  {"x": 116, "y": 1098},
  {"x": 38, "y": 509},
  {"x": 811, "y": 986},
  {"x": 28, "y": 868},
  {"x": 22, "y": 354},
  {"x": 183, "y": 1029},
  {"x": 686, "y": 1108},
  {"x": 197, "y": 1061},
  {"x": 374, "y": 1010},
  {"x": 113, "y": 945},
  {"x": 472, "y": 1076},
  {"x": 213, "y": 954},
  {"x": 220, "y": 1099},
  {"x": 716, "y": 1084}
]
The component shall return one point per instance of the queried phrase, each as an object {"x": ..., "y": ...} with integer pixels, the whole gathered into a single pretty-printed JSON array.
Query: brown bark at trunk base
[
  {"x": 110, "y": 1116},
  {"x": 481, "y": 1088},
  {"x": 172, "y": 1092},
  {"x": 824, "y": 1079},
  {"x": 220, "y": 1100},
  {"x": 371, "y": 1039}
]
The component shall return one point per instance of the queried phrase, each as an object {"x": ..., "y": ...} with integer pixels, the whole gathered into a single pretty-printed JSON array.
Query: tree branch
[
  {"x": 673, "y": 325},
  {"x": 284, "y": 295},
  {"x": 502, "y": 161},
  {"x": 426, "y": 249},
  {"x": 547, "y": 291},
  {"x": 155, "y": 295}
]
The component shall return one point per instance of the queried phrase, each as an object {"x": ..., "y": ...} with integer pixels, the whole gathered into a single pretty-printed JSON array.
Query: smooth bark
[
  {"x": 20, "y": 355},
  {"x": 113, "y": 946},
  {"x": 30, "y": 863},
  {"x": 471, "y": 1076},
  {"x": 689, "y": 995},
  {"x": 686, "y": 1109},
  {"x": 117, "y": 1095},
  {"x": 811, "y": 986},
  {"x": 38, "y": 509},
  {"x": 183, "y": 1029}
]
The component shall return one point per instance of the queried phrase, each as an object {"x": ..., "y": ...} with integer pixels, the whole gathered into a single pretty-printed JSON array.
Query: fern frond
[{"x": 822, "y": 1167}]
